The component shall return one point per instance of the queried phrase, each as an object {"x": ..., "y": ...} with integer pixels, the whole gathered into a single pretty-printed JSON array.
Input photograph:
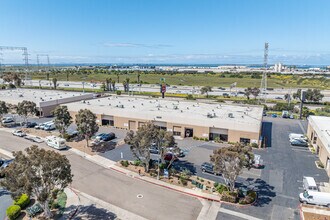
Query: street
[{"x": 118, "y": 189}]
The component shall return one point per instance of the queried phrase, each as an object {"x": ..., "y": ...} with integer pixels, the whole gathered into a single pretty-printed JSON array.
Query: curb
[{"x": 187, "y": 193}]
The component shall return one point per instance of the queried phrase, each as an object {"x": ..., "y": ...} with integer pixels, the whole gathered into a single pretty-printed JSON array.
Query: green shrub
[
  {"x": 190, "y": 97},
  {"x": 11, "y": 86},
  {"x": 13, "y": 211},
  {"x": 124, "y": 163},
  {"x": 118, "y": 92},
  {"x": 137, "y": 162},
  {"x": 23, "y": 201},
  {"x": 162, "y": 166},
  {"x": 202, "y": 180},
  {"x": 229, "y": 196},
  {"x": 254, "y": 145},
  {"x": 221, "y": 188},
  {"x": 215, "y": 184}
]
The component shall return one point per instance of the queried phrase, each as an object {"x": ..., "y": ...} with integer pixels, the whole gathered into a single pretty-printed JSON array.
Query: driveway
[{"x": 281, "y": 180}]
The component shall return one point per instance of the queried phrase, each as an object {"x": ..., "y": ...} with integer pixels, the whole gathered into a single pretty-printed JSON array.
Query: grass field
[{"x": 205, "y": 79}]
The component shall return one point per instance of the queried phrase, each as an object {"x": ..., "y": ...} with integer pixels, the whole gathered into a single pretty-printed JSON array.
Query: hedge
[
  {"x": 13, "y": 211},
  {"x": 23, "y": 201}
]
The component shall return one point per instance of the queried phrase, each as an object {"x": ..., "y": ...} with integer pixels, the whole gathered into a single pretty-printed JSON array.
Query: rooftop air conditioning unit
[
  {"x": 231, "y": 115},
  {"x": 121, "y": 106},
  {"x": 175, "y": 107},
  {"x": 209, "y": 115}
]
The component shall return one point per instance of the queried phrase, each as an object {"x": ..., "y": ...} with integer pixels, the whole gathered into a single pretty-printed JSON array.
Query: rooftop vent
[
  {"x": 175, "y": 107},
  {"x": 159, "y": 117}
]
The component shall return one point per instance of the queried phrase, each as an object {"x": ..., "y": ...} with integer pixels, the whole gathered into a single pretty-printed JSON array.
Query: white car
[{"x": 19, "y": 133}]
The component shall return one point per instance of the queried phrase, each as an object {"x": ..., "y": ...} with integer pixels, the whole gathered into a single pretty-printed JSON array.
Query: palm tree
[{"x": 138, "y": 77}]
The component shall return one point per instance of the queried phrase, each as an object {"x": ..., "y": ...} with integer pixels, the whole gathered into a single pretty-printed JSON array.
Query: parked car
[
  {"x": 7, "y": 120},
  {"x": 258, "y": 162},
  {"x": 315, "y": 198},
  {"x": 309, "y": 184},
  {"x": 3, "y": 164},
  {"x": 297, "y": 136},
  {"x": 19, "y": 133},
  {"x": 42, "y": 125},
  {"x": 106, "y": 137},
  {"x": 208, "y": 168},
  {"x": 169, "y": 156},
  {"x": 225, "y": 95},
  {"x": 177, "y": 151},
  {"x": 49, "y": 126},
  {"x": 279, "y": 98},
  {"x": 30, "y": 124},
  {"x": 299, "y": 142},
  {"x": 153, "y": 150}
]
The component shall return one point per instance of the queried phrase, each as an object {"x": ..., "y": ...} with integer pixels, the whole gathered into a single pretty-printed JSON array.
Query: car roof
[{"x": 207, "y": 163}]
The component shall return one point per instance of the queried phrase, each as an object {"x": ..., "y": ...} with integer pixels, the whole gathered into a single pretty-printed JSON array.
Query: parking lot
[{"x": 278, "y": 184}]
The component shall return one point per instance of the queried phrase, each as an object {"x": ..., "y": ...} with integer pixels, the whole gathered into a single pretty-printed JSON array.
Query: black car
[
  {"x": 30, "y": 124},
  {"x": 108, "y": 137},
  {"x": 208, "y": 168}
]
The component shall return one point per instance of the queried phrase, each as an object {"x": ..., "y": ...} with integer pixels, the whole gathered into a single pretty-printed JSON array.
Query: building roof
[
  {"x": 41, "y": 97},
  {"x": 321, "y": 124},
  {"x": 235, "y": 117}
]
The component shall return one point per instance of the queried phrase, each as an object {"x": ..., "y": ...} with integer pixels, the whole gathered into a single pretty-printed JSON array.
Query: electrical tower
[
  {"x": 38, "y": 61},
  {"x": 25, "y": 58},
  {"x": 263, "y": 86}
]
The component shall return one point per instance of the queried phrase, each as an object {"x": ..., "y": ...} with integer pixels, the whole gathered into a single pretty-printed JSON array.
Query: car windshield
[{"x": 305, "y": 194}]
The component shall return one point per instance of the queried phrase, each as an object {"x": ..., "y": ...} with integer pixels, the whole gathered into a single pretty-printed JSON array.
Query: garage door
[{"x": 131, "y": 125}]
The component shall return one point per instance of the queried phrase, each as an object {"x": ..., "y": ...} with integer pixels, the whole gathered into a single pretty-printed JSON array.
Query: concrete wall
[
  {"x": 318, "y": 146},
  {"x": 198, "y": 131},
  {"x": 234, "y": 136}
]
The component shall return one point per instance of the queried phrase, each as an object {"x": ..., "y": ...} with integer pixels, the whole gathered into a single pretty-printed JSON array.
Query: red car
[{"x": 169, "y": 156}]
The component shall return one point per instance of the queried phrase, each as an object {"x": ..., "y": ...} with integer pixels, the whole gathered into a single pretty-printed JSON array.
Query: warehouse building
[
  {"x": 318, "y": 132},
  {"x": 46, "y": 100},
  {"x": 231, "y": 123}
]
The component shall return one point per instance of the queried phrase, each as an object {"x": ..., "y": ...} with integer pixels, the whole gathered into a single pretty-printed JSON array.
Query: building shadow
[
  {"x": 266, "y": 133},
  {"x": 90, "y": 212}
]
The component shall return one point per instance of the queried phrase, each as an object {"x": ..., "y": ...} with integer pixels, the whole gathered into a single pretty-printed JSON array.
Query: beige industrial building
[
  {"x": 46, "y": 100},
  {"x": 232, "y": 123},
  {"x": 318, "y": 132}
]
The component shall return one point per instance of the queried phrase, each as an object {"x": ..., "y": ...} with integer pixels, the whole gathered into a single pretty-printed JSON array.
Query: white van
[
  {"x": 42, "y": 125},
  {"x": 49, "y": 126},
  {"x": 309, "y": 184},
  {"x": 56, "y": 142},
  {"x": 316, "y": 198},
  {"x": 293, "y": 136}
]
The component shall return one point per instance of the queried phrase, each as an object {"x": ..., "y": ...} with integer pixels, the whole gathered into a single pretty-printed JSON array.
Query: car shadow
[
  {"x": 91, "y": 212},
  {"x": 266, "y": 134}
]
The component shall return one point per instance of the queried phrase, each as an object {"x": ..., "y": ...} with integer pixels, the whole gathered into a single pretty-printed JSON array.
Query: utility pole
[{"x": 263, "y": 86}]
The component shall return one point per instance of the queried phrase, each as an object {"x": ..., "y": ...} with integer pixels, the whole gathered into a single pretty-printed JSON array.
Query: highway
[
  {"x": 118, "y": 189},
  {"x": 195, "y": 90}
]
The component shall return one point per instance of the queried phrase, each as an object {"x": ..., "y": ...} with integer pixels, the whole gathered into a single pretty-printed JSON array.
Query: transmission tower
[
  {"x": 25, "y": 58},
  {"x": 263, "y": 86},
  {"x": 38, "y": 61}
]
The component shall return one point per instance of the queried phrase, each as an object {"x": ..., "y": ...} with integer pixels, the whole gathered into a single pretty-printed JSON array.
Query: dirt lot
[{"x": 311, "y": 212}]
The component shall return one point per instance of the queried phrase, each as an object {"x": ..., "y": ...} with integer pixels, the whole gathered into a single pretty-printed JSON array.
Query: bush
[
  {"x": 162, "y": 166},
  {"x": 11, "y": 86},
  {"x": 137, "y": 163},
  {"x": 13, "y": 211},
  {"x": 118, "y": 92},
  {"x": 215, "y": 184},
  {"x": 190, "y": 97},
  {"x": 22, "y": 201},
  {"x": 254, "y": 145},
  {"x": 229, "y": 196},
  {"x": 221, "y": 188},
  {"x": 124, "y": 163}
]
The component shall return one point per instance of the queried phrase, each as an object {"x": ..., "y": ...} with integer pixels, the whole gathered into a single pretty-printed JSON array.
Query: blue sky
[{"x": 167, "y": 31}]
